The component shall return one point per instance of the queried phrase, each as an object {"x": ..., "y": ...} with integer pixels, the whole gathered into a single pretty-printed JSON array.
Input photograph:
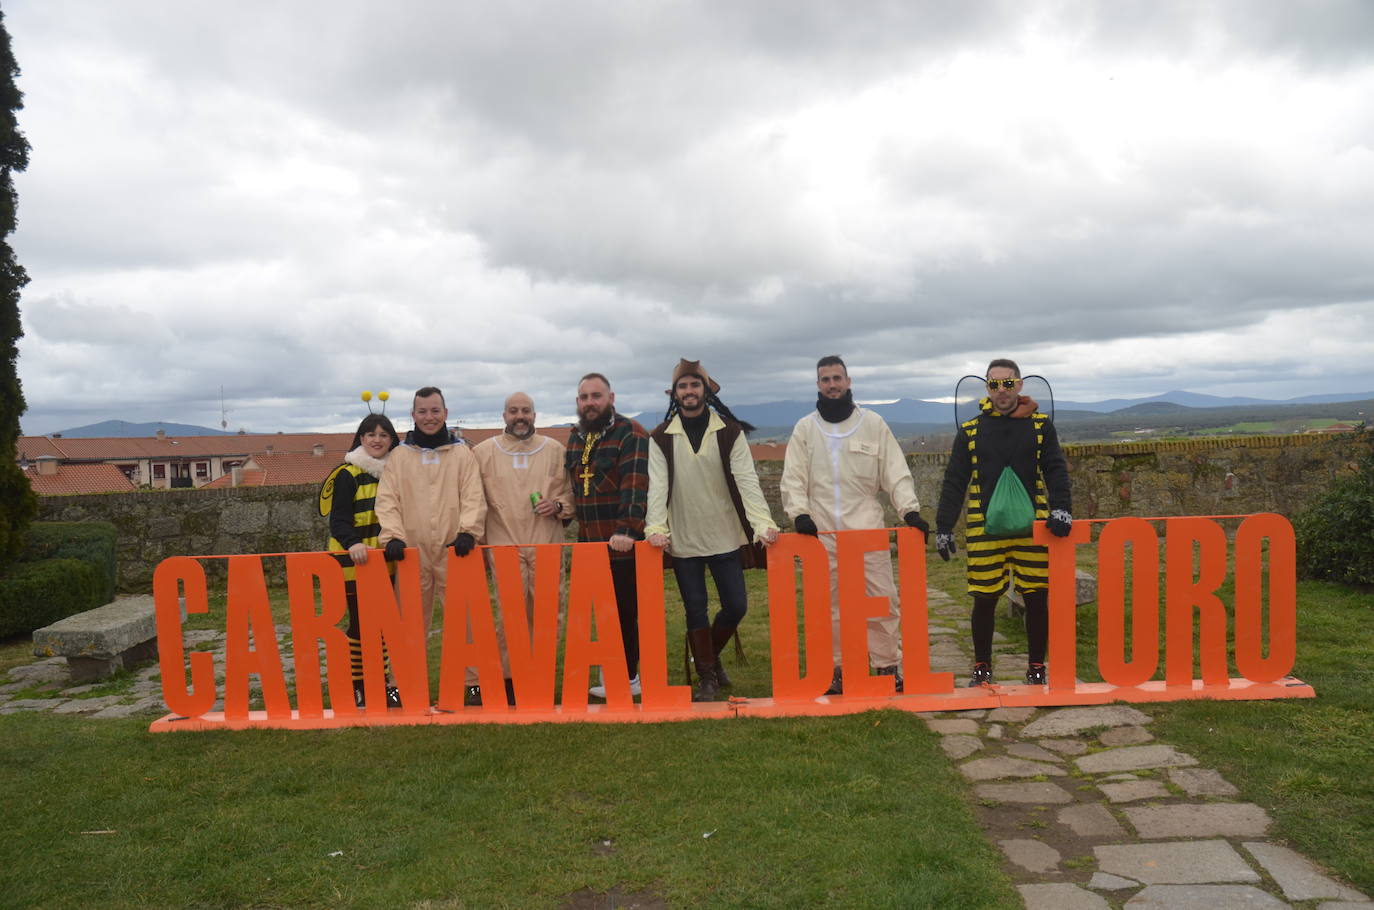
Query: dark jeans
[
  {"x": 627, "y": 606},
  {"x": 729, "y": 576}
]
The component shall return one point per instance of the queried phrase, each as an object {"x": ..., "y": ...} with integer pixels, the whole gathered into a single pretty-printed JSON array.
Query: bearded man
[
  {"x": 706, "y": 506},
  {"x": 528, "y": 497},
  {"x": 608, "y": 465},
  {"x": 838, "y": 459}
]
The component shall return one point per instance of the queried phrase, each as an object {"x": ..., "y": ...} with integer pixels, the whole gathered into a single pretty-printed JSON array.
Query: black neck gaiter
[
  {"x": 426, "y": 441},
  {"x": 835, "y": 410},
  {"x": 696, "y": 427}
]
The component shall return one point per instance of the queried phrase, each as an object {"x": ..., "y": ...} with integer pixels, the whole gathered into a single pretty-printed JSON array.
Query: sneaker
[
  {"x": 981, "y": 675},
  {"x": 472, "y": 696},
  {"x": 359, "y": 697},
  {"x": 1035, "y": 675},
  {"x": 598, "y": 690},
  {"x": 393, "y": 697},
  {"x": 836, "y": 683},
  {"x": 634, "y": 685},
  {"x": 891, "y": 671}
]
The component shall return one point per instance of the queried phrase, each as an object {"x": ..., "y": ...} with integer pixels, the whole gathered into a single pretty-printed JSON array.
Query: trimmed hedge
[
  {"x": 1336, "y": 533},
  {"x": 67, "y": 568}
]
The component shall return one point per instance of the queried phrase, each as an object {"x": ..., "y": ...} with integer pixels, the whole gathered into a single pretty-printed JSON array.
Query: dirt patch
[{"x": 615, "y": 899}]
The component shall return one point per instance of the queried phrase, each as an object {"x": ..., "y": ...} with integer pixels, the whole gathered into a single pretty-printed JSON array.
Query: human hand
[
  {"x": 803, "y": 524},
  {"x": 358, "y": 553},
  {"x": 622, "y": 543},
  {"x": 1060, "y": 523},
  {"x": 395, "y": 550},
  {"x": 463, "y": 543},
  {"x": 658, "y": 540},
  {"x": 548, "y": 508},
  {"x": 769, "y": 537},
  {"x": 913, "y": 519}
]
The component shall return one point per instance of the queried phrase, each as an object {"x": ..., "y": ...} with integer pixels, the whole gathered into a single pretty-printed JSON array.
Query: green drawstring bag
[{"x": 1010, "y": 512}]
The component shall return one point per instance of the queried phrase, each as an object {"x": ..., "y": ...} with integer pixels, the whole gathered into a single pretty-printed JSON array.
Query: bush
[
  {"x": 34, "y": 594},
  {"x": 66, "y": 568},
  {"x": 1336, "y": 532}
]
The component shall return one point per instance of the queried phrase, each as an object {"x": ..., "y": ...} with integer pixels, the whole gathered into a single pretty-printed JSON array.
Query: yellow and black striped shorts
[{"x": 990, "y": 562}]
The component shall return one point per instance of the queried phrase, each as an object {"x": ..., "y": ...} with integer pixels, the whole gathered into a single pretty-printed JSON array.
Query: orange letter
[
  {"x": 250, "y": 611},
  {"x": 1111, "y": 601},
  {"x": 401, "y": 624},
  {"x": 1063, "y": 602},
  {"x": 856, "y": 608},
  {"x": 171, "y": 653},
  {"x": 653, "y": 634},
  {"x": 309, "y": 629},
  {"x": 591, "y": 593},
  {"x": 1182, "y": 593},
  {"x": 788, "y": 683},
  {"x": 1283, "y": 598},
  {"x": 467, "y": 607},
  {"x": 533, "y": 654},
  {"x": 911, "y": 567}
]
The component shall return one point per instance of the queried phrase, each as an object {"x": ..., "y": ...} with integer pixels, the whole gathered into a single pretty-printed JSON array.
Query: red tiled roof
[
  {"x": 78, "y": 478},
  {"x": 764, "y": 451},
  {"x": 132, "y": 448},
  {"x": 251, "y": 477}
]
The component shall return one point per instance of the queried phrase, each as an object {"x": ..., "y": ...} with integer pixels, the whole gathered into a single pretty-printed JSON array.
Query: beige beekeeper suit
[
  {"x": 701, "y": 519},
  {"x": 833, "y": 472},
  {"x": 427, "y": 497},
  {"x": 513, "y": 469}
]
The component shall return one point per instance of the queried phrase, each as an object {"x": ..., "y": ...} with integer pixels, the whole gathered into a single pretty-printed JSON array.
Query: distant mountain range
[{"x": 781, "y": 415}]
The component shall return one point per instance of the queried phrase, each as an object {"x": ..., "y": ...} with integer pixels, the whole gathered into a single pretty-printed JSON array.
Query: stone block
[
  {"x": 1065, "y": 746},
  {"x": 1001, "y": 766},
  {"x": 1130, "y": 735},
  {"x": 1060, "y": 896},
  {"x": 1070, "y": 721},
  {"x": 1031, "y": 855},
  {"x": 1204, "y": 897},
  {"x": 956, "y": 725},
  {"x": 1199, "y": 820},
  {"x": 1011, "y": 715},
  {"x": 1298, "y": 878},
  {"x": 1091, "y": 820},
  {"x": 1104, "y": 882},
  {"x": 1035, "y": 792},
  {"x": 1175, "y": 863},
  {"x": 1201, "y": 782},
  {"x": 1134, "y": 758},
  {"x": 1031, "y": 751},
  {"x": 960, "y": 746},
  {"x": 1132, "y": 790}
]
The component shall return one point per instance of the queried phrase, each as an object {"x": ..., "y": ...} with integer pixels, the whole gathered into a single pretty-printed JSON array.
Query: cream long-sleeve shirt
[
  {"x": 511, "y": 470},
  {"x": 833, "y": 472},
  {"x": 430, "y": 496},
  {"x": 701, "y": 519}
]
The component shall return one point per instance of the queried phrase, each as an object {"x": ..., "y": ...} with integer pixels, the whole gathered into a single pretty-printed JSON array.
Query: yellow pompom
[
  {"x": 367, "y": 396},
  {"x": 384, "y": 396}
]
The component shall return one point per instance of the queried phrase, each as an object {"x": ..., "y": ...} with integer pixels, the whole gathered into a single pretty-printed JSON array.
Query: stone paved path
[
  {"x": 1089, "y": 809},
  {"x": 1092, "y": 812}
]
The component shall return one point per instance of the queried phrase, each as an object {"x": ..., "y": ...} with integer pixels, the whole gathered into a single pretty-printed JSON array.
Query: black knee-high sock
[
  {"x": 1037, "y": 624},
  {"x": 983, "y": 619}
]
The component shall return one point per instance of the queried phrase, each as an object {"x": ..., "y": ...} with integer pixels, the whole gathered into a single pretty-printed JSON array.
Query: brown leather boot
[
  {"x": 706, "y": 665},
  {"x": 720, "y": 637}
]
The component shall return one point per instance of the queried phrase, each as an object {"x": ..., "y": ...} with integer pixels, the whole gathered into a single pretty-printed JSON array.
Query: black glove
[
  {"x": 395, "y": 550},
  {"x": 1060, "y": 523},
  {"x": 944, "y": 544},
  {"x": 914, "y": 520},
  {"x": 463, "y": 543},
  {"x": 803, "y": 524}
]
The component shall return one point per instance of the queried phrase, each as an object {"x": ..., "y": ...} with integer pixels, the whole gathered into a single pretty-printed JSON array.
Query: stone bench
[
  {"x": 99, "y": 642},
  {"x": 1085, "y": 592}
]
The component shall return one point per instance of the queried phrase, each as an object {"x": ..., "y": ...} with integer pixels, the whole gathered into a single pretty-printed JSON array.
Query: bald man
[{"x": 528, "y": 496}]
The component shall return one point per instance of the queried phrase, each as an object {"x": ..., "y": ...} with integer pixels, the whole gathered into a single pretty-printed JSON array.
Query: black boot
[
  {"x": 706, "y": 665},
  {"x": 720, "y": 637}
]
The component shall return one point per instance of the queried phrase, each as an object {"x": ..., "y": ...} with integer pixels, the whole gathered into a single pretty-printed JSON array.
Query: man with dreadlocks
[
  {"x": 1009, "y": 453},
  {"x": 707, "y": 508},
  {"x": 837, "y": 460}
]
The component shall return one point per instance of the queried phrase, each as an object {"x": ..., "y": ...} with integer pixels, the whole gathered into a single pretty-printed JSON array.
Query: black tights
[{"x": 1037, "y": 626}]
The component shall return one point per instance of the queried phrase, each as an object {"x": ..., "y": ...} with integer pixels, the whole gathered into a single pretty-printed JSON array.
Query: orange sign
[{"x": 1196, "y": 551}]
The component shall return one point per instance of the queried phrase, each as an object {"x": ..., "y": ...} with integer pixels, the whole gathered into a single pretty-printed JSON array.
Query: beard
[
  {"x": 597, "y": 423},
  {"x": 520, "y": 429}
]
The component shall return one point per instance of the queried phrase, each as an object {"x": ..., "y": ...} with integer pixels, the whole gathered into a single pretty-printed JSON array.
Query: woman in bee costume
[{"x": 347, "y": 498}]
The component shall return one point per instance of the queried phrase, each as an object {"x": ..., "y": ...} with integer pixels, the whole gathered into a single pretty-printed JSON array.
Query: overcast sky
[{"x": 297, "y": 201}]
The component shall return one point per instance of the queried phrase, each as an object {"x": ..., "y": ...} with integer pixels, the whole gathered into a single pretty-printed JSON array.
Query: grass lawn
[
  {"x": 856, "y": 811},
  {"x": 1309, "y": 762}
]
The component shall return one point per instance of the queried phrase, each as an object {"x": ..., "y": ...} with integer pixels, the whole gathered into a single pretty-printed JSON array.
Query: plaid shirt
[{"x": 617, "y": 492}]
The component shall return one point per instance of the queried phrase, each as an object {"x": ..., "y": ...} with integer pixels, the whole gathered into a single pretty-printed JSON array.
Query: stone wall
[{"x": 1214, "y": 476}]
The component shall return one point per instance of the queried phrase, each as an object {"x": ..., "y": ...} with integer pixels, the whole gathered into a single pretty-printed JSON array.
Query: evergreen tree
[{"x": 18, "y": 504}]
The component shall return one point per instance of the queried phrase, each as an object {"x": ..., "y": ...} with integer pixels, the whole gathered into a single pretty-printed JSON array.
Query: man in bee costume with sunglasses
[{"x": 1009, "y": 461}]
